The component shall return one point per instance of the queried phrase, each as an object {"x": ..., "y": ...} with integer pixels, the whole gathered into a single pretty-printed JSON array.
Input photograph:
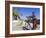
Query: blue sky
[{"x": 23, "y": 12}]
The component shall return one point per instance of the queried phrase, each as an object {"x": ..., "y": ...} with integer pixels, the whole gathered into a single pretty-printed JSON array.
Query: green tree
[{"x": 15, "y": 15}]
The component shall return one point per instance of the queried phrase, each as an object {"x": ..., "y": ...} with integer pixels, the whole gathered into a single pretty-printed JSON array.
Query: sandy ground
[{"x": 16, "y": 25}]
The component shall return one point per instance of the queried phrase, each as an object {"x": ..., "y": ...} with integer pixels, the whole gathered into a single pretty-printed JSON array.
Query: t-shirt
[{"x": 29, "y": 26}]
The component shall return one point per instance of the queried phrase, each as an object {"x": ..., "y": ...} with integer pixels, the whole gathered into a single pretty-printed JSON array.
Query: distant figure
[{"x": 33, "y": 16}]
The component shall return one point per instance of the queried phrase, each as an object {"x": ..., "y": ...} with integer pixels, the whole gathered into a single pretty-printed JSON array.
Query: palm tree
[{"x": 15, "y": 14}]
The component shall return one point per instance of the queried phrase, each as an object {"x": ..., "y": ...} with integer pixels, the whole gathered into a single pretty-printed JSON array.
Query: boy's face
[{"x": 35, "y": 22}]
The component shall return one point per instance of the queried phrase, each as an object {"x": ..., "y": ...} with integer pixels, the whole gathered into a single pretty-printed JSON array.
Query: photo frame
[{"x": 19, "y": 16}]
